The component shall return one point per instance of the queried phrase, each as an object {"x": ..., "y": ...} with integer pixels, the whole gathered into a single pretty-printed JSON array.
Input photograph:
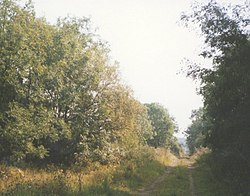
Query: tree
[
  {"x": 61, "y": 96},
  {"x": 225, "y": 87},
  {"x": 197, "y": 130},
  {"x": 24, "y": 42},
  {"x": 163, "y": 125}
]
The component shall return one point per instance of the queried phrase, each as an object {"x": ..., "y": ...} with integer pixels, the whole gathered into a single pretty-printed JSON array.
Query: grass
[
  {"x": 205, "y": 182},
  {"x": 124, "y": 179},
  {"x": 155, "y": 169},
  {"x": 176, "y": 183}
]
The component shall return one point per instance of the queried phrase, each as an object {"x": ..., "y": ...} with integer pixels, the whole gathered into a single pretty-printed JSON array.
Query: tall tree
[
  {"x": 226, "y": 86},
  {"x": 61, "y": 96}
]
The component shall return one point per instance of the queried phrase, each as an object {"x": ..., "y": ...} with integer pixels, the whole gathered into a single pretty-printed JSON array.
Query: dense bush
[
  {"x": 61, "y": 98},
  {"x": 225, "y": 86}
]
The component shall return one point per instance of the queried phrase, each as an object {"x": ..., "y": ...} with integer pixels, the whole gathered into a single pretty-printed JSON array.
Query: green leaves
[
  {"x": 61, "y": 97},
  {"x": 197, "y": 131},
  {"x": 163, "y": 125},
  {"x": 226, "y": 87}
]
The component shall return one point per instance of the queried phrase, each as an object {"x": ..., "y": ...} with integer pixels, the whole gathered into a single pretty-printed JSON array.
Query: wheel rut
[{"x": 153, "y": 187}]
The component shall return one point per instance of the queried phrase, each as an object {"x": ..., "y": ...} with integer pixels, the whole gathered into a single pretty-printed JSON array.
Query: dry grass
[
  {"x": 137, "y": 171},
  {"x": 165, "y": 157}
]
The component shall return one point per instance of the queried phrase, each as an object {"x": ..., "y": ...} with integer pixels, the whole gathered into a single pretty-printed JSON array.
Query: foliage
[
  {"x": 61, "y": 97},
  {"x": 123, "y": 179},
  {"x": 163, "y": 125},
  {"x": 197, "y": 130},
  {"x": 225, "y": 86},
  {"x": 175, "y": 147},
  {"x": 206, "y": 181},
  {"x": 148, "y": 171}
]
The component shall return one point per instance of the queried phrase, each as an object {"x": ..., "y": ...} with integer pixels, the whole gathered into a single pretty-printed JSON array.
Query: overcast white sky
[{"x": 146, "y": 39}]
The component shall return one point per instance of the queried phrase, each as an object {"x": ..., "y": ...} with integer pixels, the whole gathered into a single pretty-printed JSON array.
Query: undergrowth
[
  {"x": 137, "y": 170},
  {"x": 206, "y": 181}
]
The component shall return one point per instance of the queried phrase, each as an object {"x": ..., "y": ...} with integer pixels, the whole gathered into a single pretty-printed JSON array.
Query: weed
[{"x": 143, "y": 167}]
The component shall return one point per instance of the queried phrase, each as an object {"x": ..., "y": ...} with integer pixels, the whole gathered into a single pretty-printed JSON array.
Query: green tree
[
  {"x": 23, "y": 46},
  {"x": 163, "y": 125},
  {"x": 197, "y": 130},
  {"x": 225, "y": 86},
  {"x": 61, "y": 96}
]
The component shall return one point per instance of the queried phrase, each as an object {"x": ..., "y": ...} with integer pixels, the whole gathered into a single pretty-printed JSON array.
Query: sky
[{"x": 146, "y": 38}]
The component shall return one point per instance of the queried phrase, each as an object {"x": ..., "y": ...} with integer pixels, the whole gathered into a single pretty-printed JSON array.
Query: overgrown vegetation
[
  {"x": 163, "y": 128},
  {"x": 196, "y": 131},
  {"x": 68, "y": 125},
  {"x": 225, "y": 90},
  {"x": 123, "y": 179},
  {"x": 206, "y": 181},
  {"x": 62, "y": 101}
]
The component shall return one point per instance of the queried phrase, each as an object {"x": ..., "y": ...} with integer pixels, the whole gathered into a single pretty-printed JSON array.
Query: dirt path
[
  {"x": 191, "y": 181},
  {"x": 151, "y": 189}
]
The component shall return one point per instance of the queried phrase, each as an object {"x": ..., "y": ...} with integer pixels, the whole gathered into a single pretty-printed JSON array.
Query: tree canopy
[
  {"x": 226, "y": 86},
  {"x": 61, "y": 96},
  {"x": 162, "y": 123}
]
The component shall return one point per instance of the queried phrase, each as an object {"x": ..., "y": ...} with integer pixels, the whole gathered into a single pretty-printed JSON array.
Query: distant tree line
[
  {"x": 224, "y": 123},
  {"x": 61, "y": 98}
]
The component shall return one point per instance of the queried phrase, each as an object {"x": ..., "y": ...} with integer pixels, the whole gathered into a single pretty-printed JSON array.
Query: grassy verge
[
  {"x": 204, "y": 180},
  {"x": 136, "y": 171}
]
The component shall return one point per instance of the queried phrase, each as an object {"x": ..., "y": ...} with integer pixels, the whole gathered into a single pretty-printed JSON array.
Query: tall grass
[{"x": 137, "y": 170}]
